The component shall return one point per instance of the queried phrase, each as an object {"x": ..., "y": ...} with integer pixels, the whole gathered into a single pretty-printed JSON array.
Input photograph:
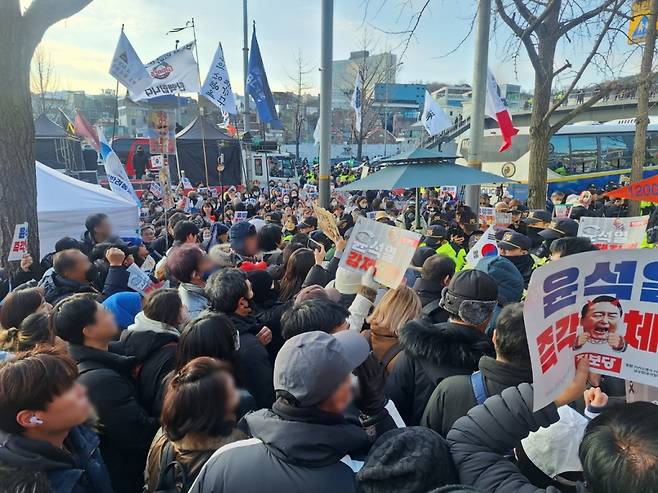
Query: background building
[{"x": 381, "y": 68}]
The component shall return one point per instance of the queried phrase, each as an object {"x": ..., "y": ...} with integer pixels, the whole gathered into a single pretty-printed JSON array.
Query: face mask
[
  {"x": 286, "y": 200},
  {"x": 92, "y": 273}
]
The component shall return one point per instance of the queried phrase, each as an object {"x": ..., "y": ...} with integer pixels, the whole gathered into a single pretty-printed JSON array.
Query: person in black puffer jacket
[
  {"x": 152, "y": 340},
  {"x": 434, "y": 276},
  {"x": 229, "y": 292},
  {"x": 434, "y": 352}
]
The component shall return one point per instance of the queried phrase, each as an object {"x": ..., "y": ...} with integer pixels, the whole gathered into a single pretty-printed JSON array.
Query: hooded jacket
[
  {"x": 255, "y": 365},
  {"x": 194, "y": 298},
  {"x": 153, "y": 344},
  {"x": 288, "y": 454},
  {"x": 454, "y": 396},
  {"x": 32, "y": 465},
  {"x": 191, "y": 451},
  {"x": 430, "y": 354},
  {"x": 478, "y": 451},
  {"x": 430, "y": 292},
  {"x": 88, "y": 242},
  {"x": 127, "y": 429}
]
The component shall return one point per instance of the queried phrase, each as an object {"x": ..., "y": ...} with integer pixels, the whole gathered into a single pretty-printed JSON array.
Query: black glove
[{"x": 371, "y": 399}]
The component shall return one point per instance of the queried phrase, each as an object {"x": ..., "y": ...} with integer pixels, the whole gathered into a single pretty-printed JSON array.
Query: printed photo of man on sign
[{"x": 600, "y": 320}]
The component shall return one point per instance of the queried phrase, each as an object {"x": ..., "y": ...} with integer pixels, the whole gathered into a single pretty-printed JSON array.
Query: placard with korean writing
[
  {"x": 601, "y": 304},
  {"x": 612, "y": 233},
  {"x": 19, "y": 243},
  {"x": 387, "y": 248}
]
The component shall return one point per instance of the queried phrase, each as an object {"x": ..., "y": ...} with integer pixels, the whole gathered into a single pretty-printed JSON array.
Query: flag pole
[
  {"x": 116, "y": 104},
  {"x": 201, "y": 116}
]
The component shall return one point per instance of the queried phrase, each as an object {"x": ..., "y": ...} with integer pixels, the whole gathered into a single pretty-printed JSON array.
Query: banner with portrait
[
  {"x": 162, "y": 132},
  {"x": 600, "y": 304}
]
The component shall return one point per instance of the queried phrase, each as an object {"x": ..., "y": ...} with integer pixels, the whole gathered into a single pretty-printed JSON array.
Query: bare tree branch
[
  {"x": 527, "y": 42},
  {"x": 586, "y": 63},
  {"x": 41, "y": 14},
  {"x": 524, "y": 11},
  {"x": 576, "y": 21},
  {"x": 539, "y": 20}
]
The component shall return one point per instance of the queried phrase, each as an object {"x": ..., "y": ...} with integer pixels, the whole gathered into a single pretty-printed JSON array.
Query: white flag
[
  {"x": 127, "y": 68},
  {"x": 357, "y": 101},
  {"x": 217, "y": 87},
  {"x": 116, "y": 174},
  {"x": 434, "y": 118},
  {"x": 171, "y": 73},
  {"x": 316, "y": 133}
]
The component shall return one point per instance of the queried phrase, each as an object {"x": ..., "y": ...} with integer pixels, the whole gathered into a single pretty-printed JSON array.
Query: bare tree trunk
[
  {"x": 19, "y": 36},
  {"x": 642, "y": 121},
  {"x": 359, "y": 148},
  {"x": 18, "y": 185}
]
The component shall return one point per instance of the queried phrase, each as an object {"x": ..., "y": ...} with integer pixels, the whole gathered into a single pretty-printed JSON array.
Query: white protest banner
[
  {"x": 127, "y": 67},
  {"x": 240, "y": 216},
  {"x": 157, "y": 161},
  {"x": 172, "y": 73},
  {"x": 18, "y": 243},
  {"x": 187, "y": 184},
  {"x": 603, "y": 304},
  {"x": 149, "y": 264},
  {"x": 217, "y": 87},
  {"x": 387, "y": 248},
  {"x": 613, "y": 233},
  {"x": 156, "y": 189},
  {"x": 487, "y": 215},
  {"x": 503, "y": 218},
  {"x": 485, "y": 247},
  {"x": 138, "y": 280}
]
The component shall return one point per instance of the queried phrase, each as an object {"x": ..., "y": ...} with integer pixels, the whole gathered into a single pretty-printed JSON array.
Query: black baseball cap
[
  {"x": 469, "y": 221},
  {"x": 420, "y": 255},
  {"x": 436, "y": 231},
  {"x": 501, "y": 232},
  {"x": 560, "y": 229},
  {"x": 539, "y": 216},
  {"x": 308, "y": 222},
  {"x": 512, "y": 240}
]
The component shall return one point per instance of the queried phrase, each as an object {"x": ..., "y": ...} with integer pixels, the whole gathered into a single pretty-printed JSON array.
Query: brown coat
[
  {"x": 381, "y": 340},
  {"x": 192, "y": 452}
]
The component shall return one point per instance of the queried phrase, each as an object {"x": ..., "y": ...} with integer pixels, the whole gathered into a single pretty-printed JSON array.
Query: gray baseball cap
[{"x": 311, "y": 366}]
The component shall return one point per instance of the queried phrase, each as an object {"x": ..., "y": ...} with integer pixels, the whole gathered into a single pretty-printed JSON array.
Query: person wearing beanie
[
  {"x": 413, "y": 460},
  {"x": 244, "y": 240},
  {"x": 305, "y": 442},
  {"x": 509, "y": 280},
  {"x": 455, "y": 395},
  {"x": 432, "y": 352}
]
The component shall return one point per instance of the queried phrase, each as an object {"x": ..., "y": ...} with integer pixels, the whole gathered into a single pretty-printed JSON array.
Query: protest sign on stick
[
  {"x": 327, "y": 223},
  {"x": 612, "y": 233},
  {"x": 18, "y": 243},
  {"x": 387, "y": 248},
  {"x": 600, "y": 304}
]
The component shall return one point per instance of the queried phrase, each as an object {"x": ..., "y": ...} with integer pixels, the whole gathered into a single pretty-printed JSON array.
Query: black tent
[
  {"x": 189, "y": 145},
  {"x": 56, "y": 148}
]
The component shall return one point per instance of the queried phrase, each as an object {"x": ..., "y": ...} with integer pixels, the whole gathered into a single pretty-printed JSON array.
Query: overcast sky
[{"x": 81, "y": 47}]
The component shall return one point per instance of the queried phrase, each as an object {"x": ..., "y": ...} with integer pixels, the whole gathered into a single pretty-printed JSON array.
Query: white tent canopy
[{"x": 63, "y": 204}]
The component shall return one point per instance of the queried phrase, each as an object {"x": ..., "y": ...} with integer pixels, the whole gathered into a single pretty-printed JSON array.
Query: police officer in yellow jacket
[{"x": 436, "y": 236}]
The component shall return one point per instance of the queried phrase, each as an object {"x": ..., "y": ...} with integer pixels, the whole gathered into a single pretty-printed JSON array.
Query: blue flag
[{"x": 259, "y": 88}]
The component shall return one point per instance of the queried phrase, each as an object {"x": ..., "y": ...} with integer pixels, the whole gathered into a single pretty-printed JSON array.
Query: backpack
[
  {"x": 388, "y": 356},
  {"x": 174, "y": 476}
]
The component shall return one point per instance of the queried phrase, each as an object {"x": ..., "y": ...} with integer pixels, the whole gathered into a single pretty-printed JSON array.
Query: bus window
[
  {"x": 652, "y": 148},
  {"x": 280, "y": 167},
  {"x": 616, "y": 151},
  {"x": 258, "y": 166},
  {"x": 584, "y": 154},
  {"x": 558, "y": 154}
]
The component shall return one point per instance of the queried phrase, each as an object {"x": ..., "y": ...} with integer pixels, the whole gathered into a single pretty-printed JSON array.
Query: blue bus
[{"x": 580, "y": 155}]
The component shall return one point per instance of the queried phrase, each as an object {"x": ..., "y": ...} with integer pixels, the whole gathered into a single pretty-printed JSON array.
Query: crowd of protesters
[{"x": 255, "y": 362}]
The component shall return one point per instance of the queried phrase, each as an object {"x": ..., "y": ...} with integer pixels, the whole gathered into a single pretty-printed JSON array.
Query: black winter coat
[
  {"x": 454, "y": 396},
  {"x": 126, "y": 427},
  {"x": 56, "y": 287},
  {"x": 155, "y": 354},
  {"x": 255, "y": 365},
  {"x": 285, "y": 455},
  {"x": 479, "y": 440},
  {"x": 429, "y": 292},
  {"x": 430, "y": 354}
]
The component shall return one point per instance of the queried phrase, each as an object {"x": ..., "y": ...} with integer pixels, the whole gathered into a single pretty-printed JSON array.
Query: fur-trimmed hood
[{"x": 445, "y": 344}]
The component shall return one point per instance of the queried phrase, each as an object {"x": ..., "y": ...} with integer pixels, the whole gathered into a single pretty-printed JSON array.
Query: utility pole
[
  {"x": 642, "y": 121},
  {"x": 245, "y": 63},
  {"x": 326, "y": 56},
  {"x": 479, "y": 98}
]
